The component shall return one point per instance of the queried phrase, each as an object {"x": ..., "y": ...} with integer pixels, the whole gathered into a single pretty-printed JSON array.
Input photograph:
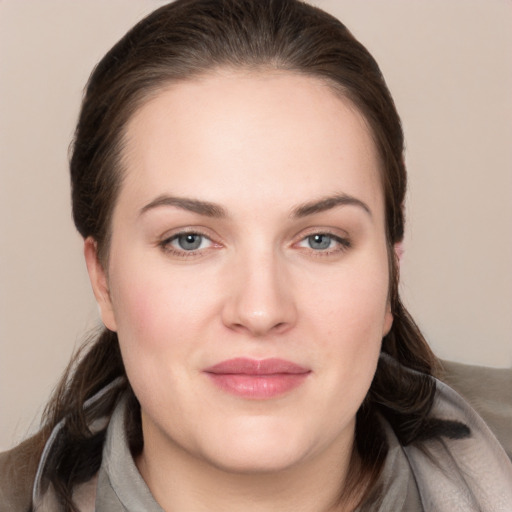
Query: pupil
[
  {"x": 189, "y": 242},
  {"x": 319, "y": 241}
]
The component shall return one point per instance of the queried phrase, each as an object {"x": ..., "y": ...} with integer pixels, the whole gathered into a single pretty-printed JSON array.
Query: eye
[
  {"x": 324, "y": 242},
  {"x": 183, "y": 243},
  {"x": 189, "y": 241}
]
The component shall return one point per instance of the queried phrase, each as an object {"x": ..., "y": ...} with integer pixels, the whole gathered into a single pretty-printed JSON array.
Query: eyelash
[
  {"x": 342, "y": 244},
  {"x": 166, "y": 244}
]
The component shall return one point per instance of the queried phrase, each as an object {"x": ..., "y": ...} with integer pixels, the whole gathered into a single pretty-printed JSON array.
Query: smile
[{"x": 257, "y": 379}]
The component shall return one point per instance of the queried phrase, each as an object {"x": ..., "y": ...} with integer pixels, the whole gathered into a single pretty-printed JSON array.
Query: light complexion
[{"x": 249, "y": 227}]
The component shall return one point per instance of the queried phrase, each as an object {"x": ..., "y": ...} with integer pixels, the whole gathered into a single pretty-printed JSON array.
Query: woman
[{"x": 238, "y": 180}]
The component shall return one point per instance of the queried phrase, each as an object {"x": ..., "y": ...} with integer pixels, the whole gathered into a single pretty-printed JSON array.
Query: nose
[{"x": 259, "y": 301}]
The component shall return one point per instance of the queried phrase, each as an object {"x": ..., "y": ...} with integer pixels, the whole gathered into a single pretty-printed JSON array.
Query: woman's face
[{"x": 248, "y": 272}]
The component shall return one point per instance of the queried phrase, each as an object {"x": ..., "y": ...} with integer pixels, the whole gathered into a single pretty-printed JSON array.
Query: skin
[{"x": 259, "y": 145}]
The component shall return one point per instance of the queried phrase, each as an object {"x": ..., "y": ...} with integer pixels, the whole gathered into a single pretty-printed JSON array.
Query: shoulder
[
  {"x": 18, "y": 468},
  {"x": 489, "y": 392},
  {"x": 17, "y": 472}
]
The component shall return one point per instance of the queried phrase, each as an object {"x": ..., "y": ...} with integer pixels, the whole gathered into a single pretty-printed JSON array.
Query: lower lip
[{"x": 258, "y": 387}]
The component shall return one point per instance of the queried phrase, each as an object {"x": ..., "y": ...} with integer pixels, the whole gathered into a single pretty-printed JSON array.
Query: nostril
[{"x": 280, "y": 326}]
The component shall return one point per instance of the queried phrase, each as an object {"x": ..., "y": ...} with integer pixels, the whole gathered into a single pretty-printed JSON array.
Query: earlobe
[{"x": 99, "y": 283}]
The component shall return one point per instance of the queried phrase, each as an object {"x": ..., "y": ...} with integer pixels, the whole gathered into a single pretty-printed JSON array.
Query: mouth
[{"x": 257, "y": 379}]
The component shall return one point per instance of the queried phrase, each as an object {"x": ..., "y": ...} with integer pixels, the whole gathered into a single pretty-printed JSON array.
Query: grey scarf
[{"x": 438, "y": 475}]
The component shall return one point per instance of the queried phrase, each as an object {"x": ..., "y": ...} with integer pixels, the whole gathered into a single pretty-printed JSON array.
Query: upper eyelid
[
  {"x": 166, "y": 241},
  {"x": 193, "y": 230},
  {"x": 343, "y": 240},
  {"x": 185, "y": 233},
  {"x": 331, "y": 231}
]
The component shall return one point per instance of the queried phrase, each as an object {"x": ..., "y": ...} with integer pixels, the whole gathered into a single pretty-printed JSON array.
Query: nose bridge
[{"x": 260, "y": 301}]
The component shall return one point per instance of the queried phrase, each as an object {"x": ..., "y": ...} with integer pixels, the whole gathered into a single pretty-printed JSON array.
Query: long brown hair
[{"x": 177, "y": 42}]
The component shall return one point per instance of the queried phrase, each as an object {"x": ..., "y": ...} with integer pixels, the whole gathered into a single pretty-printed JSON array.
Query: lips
[{"x": 257, "y": 379}]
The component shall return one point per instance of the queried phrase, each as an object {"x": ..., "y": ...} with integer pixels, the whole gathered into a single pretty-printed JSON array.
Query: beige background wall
[{"x": 448, "y": 64}]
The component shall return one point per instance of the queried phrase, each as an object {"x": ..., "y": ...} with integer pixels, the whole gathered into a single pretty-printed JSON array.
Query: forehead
[{"x": 247, "y": 135}]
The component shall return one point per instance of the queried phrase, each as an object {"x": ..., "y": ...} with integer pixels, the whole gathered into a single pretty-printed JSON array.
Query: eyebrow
[
  {"x": 192, "y": 205},
  {"x": 327, "y": 203},
  {"x": 214, "y": 210}
]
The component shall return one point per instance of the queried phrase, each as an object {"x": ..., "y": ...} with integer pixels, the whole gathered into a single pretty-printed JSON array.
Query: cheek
[
  {"x": 142, "y": 308},
  {"x": 156, "y": 329},
  {"x": 349, "y": 318},
  {"x": 352, "y": 301},
  {"x": 164, "y": 316},
  {"x": 154, "y": 303},
  {"x": 139, "y": 312}
]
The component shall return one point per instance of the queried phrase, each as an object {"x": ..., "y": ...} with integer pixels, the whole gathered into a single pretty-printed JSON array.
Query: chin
[
  {"x": 264, "y": 448},
  {"x": 250, "y": 463}
]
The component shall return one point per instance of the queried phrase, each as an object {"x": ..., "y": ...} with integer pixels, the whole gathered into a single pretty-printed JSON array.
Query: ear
[
  {"x": 399, "y": 251},
  {"x": 388, "y": 317},
  {"x": 99, "y": 283},
  {"x": 388, "y": 320}
]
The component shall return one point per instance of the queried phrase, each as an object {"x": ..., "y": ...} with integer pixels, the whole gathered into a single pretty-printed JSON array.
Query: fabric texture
[
  {"x": 439, "y": 475},
  {"x": 489, "y": 392}
]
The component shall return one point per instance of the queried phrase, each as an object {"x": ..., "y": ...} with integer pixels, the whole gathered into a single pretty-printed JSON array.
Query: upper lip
[{"x": 247, "y": 366}]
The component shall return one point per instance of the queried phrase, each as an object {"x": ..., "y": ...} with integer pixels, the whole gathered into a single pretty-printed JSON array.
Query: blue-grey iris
[
  {"x": 319, "y": 242},
  {"x": 190, "y": 241}
]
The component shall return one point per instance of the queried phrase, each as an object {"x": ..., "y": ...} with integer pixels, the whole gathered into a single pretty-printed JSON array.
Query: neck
[{"x": 181, "y": 482}]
